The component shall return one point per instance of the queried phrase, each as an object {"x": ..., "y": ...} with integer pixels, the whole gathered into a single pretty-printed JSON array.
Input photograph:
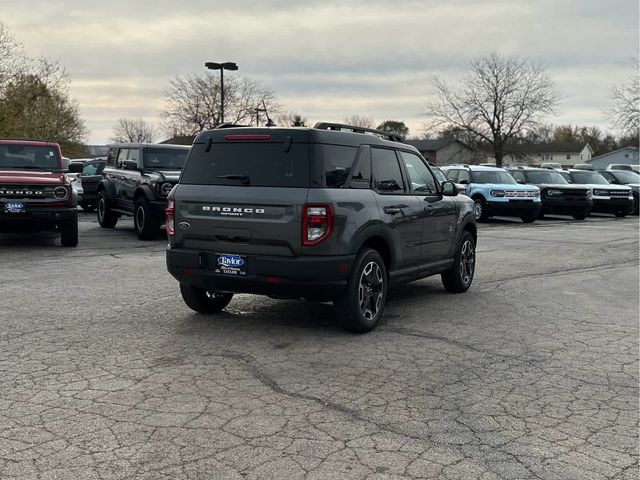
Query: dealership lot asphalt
[{"x": 533, "y": 373}]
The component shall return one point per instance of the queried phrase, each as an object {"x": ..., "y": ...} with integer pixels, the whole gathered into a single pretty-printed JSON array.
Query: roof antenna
[{"x": 270, "y": 123}]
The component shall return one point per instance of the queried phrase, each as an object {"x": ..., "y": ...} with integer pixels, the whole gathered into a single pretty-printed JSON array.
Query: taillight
[
  {"x": 317, "y": 224},
  {"x": 170, "y": 213}
]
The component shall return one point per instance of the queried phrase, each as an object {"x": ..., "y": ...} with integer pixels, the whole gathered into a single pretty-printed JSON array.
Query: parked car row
[{"x": 531, "y": 193}]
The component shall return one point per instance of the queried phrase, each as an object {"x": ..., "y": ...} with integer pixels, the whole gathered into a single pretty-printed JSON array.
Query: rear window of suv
[{"x": 257, "y": 164}]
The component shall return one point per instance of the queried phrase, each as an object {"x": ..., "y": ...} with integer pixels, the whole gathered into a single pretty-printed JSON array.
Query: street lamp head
[{"x": 221, "y": 66}]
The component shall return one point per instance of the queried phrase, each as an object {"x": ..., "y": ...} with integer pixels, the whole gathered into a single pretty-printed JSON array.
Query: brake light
[
  {"x": 247, "y": 137},
  {"x": 317, "y": 224},
  {"x": 170, "y": 214}
]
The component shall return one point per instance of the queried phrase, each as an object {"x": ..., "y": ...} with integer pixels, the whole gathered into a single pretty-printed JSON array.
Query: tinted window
[
  {"x": 545, "y": 177},
  {"x": 626, "y": 177},
  {"x": 493, "y": 176},
  {"x": 519, "y": 176},
  {"x": 386, "y": 171},
  {"x": 588, "y": 177},
  {"x": 29, "y": 157},
  {"x": 362, "y": 169},
  {"x": 247, "y": 163},
  {"x": 90, "y": 168},
  {"x": 452, "y": 175},
  {"x": 165, "y": 158},
  {"x": 336, "y": 162},
  {"x": 420, "y": 178},
  {"x": 439, "y": 175},
  {"x": 123, "y": 155}
]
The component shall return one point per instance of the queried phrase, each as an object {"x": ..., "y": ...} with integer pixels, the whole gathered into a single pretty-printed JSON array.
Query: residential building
[
  {"x": 625, "y": 156},
  {"x": 444, "y": 151},
  {"x": 567, "y": 153}
]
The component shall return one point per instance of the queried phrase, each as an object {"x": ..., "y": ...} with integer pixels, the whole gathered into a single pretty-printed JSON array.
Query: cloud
[{"x": 329, "y": 58}]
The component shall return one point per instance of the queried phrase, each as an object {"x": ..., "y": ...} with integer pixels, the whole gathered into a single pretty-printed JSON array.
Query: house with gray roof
[
  {"x": 625, "y": 156},
  {"x": 444, "y": 151}
]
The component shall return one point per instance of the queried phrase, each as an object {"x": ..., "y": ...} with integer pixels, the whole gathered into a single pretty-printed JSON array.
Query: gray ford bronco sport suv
[{"x": 329, "y": 213}]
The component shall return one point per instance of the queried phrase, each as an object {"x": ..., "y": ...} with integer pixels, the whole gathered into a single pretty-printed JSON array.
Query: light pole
[{"x": 222, "y": 67}]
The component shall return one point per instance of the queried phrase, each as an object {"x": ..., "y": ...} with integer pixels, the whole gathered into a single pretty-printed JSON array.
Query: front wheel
[
  {"x": 360, "y": 307},
  {"x": 529, "y": 218},
  {"x": 459, "y": 278},
  {"x": 69, "y": 232},
  {"x": 580, "y": 216},
  {"x": 204, "y": 301},
  {"x": 106, "y": 218},
  {"x": 636, "y": 206},
  {"x": 146, "y": 224},
  {"x": 621, "y": 214},
  {"x": 480, "y": 209}
]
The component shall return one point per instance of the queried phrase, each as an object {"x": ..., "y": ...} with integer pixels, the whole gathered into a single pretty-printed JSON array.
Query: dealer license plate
[
  {"x": 15, "y": 207},
  {"x": 231, "y": 264}
]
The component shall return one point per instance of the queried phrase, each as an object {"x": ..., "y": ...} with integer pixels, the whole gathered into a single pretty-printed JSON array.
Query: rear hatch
[{"x": 242, "y": 191}]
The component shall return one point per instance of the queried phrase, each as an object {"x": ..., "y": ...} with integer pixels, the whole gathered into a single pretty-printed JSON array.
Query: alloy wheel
[
  {"x": 477, "y": 210},
  {"x": 467, "y": 261},
  {"x": 370, "y": 290}
]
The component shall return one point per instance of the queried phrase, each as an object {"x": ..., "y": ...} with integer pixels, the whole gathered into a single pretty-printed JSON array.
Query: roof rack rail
[
  {"x": 228, "y": 125},
  {"x": 341, "y": 127}
]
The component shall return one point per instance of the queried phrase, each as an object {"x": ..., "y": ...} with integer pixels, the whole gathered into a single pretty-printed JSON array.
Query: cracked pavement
[{"x": 533, "y": 373}]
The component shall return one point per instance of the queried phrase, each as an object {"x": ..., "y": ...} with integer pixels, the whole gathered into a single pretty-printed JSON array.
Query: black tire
[
  {"x": 480, "y": 209},
  {"x": 361, "y": 306},
  {"x": 636, "y": 205},
  {"x": 106, "y": 218},
  {"x": 88, "y": 206},
  {"x": 579, "y": 216},
  {"x": 459, "y": 278},
  {"x": 541, "y": 215},
  {"x": 621, "y": 214},
  {"x": 145, "y": 222},
  {"x": 204, "y": 301},
  {"x": 529, "y": 218},
  {"x": 69, "y": 232}
]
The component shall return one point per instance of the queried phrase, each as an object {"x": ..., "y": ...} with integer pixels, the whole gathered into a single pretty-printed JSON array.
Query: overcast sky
[{"x": 325, "y": 59}]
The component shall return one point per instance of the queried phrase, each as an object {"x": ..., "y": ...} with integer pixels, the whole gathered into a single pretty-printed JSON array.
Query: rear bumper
[
  {"x": 612, "y": 205},
  {"x": 567, "y": 207},
  {"x": 513, "y": 208},
  {"x": 317, "y": 278},
  {"x": 35, "y": 219}
]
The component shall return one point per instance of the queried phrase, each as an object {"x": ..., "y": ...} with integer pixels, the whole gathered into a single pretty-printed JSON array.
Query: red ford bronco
[{"x": 35, "y": 194}]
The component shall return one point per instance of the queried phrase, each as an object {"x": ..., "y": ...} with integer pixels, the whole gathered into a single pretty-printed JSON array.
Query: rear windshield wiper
[{"x": 244, "y": 179}]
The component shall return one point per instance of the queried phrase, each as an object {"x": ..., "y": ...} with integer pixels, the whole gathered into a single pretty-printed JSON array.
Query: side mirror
[
  {"x": 449, "y": 189},
  {"x": 130, "y": 165},
  {"x": 75, "y": 167}
]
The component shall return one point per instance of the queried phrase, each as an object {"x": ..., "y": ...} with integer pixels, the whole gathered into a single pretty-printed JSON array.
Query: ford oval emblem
[{"x": 184, "y": 225}]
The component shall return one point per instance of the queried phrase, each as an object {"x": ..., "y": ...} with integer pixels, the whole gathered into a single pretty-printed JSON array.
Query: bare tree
[
  {"x": 133, "y": 130},
  {"x": 291, "y": 119},
  {"x": 359, "y": 121},
  {"x": 625, "y": 112},
  {"x": 499, "y": 99},
  {"x": 193, "y": 102}
]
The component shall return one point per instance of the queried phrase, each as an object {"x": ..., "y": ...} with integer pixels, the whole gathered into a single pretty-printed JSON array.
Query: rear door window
[
  {"x": 258, "y": 164},
  {"x": 387, "y": 177},
  {"x": 336, "y": 162}
]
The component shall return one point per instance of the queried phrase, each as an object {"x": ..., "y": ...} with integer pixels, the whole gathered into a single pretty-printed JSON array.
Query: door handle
[{"x": 392, "y": 210}]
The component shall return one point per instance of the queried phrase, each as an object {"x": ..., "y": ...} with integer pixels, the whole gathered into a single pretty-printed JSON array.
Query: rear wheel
[
  {"x": 636, "y": 206},
  {"x": 69, "y": 232},
  {"x": 459, "y": 278},
  {"x": 88, "y": 206},
  {"x": 106, "y": 218},
  {"x": 361, "y": 306},
  {"x": 529, "y": 218},
  {"x": 204, "y": 301},
  {"x": 580, "y": 216},
  {"x": 146, "y": 224},
  {"x": 621, "y": 214}
]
